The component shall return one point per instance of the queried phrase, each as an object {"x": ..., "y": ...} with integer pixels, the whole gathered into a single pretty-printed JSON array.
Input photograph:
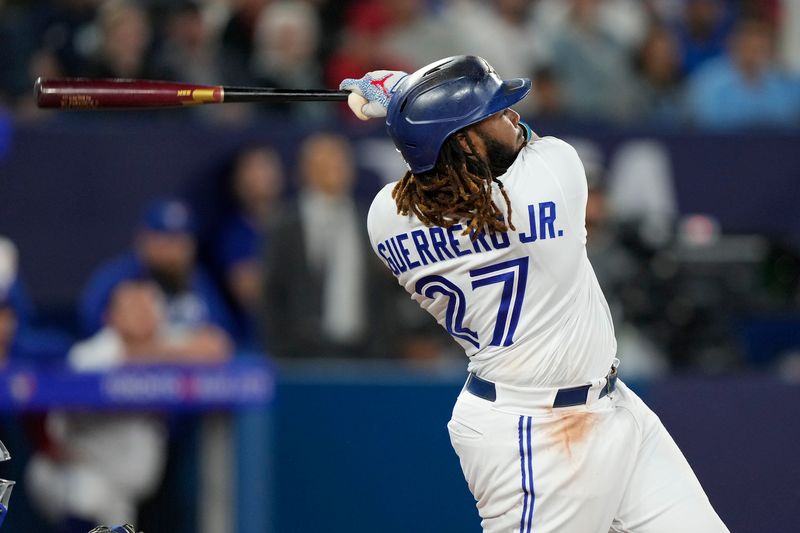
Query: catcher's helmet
[{"x": 441, "y": 98}]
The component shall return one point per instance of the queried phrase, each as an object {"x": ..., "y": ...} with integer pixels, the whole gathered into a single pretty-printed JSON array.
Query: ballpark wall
[
  {"x": 360, "y": 448},
  {"x": 370, "y": 452}
]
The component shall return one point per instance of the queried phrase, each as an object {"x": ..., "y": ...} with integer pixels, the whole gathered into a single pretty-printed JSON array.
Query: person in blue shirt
[
  {"x": 256, "y": 185},
  {"x": 20, "y": 341},
  {"x": 703, "y": 31},
  {"x": 744, "y": 88},
  {"x": 163, "y": 251}
]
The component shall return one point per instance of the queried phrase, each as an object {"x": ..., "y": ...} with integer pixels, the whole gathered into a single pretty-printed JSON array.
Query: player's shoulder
[
  {"x": 550, "y": 152},
  {"x": 382, "y": 210},
  {"x": 552, "y": 147},
  {"x": 383, "y": 220},
  {"x": 383, "y": 200}
]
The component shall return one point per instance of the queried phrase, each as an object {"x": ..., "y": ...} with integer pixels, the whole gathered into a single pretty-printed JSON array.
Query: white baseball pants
[{"x": 607, "y": 466}]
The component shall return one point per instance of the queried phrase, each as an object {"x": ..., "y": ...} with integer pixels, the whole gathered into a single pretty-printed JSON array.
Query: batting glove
[{"x": 375, "y": 89}]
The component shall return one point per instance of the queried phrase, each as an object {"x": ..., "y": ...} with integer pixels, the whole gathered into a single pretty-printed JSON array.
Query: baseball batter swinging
[{"x": 486, "y": 231}]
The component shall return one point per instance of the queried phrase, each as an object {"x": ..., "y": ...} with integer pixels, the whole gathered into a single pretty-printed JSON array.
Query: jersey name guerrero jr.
[{"x": 525, "y": 305}]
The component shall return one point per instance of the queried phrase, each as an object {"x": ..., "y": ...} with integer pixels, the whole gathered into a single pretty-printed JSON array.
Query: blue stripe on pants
[
  {"x": 524, "y": 485},
  {"x": 530, "y": 476},
  {"x": 526, "y": 470}
]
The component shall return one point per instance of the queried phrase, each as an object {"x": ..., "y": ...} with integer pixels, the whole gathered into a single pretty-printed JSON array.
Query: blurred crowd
[
  {"x": 706, "y": 63},
  {"x": 292, "y": 274}
]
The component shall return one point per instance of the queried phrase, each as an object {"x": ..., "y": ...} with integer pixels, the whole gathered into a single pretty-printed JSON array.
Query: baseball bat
[{"x": 84, "y": 93}]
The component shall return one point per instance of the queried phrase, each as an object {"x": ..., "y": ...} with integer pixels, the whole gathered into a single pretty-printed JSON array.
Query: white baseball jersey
[
  {"x": 527, "y": 309},
  {"x": 525, "y": 305}
]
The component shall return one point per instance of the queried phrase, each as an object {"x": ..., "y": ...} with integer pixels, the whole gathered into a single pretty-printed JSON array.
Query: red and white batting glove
[{"x": 370, "y": 95}]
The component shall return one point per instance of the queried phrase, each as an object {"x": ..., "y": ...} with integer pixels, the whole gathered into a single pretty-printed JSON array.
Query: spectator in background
[
  {"x": 163, "y": 251},
  {"x": 621, "y": 271},
  {"x": 15, "y": 312},
  {"x": 189, "y": 52},
  {"x": 137, "y": 331},
  {"x": 593, "y": 67},
  {"x": 256, "y": 184},
  {"x": 546, "y": 94},
  {"x": 659, "y": 91},
  {"x": 501, "y": 31},
  {"x": 8, "y": 330},
  {"x": 284, "y": 55},
  {"x": 238, "y": 38},
  {"x": 744, "y": 88},
  {"x": 17, "y": 42},
  {"x": 625, "y": 21},
  {"x": 47, "y": 39},
  {"x": 789, "y": 36},
  {"x": 417, "y": 36},
  {"x": 97, "y": 468},
  {"x": 703, "y": 31},
  {"x": 125, "y": 39},
  {"x": 11, "y": 289},
  {"x": 324, "y": 292},
  {"x": 641, "y": 190},
  {"x": 20, "y": 342},
  {"x": 362, "y": 47}
]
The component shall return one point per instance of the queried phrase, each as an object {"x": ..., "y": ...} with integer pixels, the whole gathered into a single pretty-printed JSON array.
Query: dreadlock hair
[{"x": 458, "y": 188}]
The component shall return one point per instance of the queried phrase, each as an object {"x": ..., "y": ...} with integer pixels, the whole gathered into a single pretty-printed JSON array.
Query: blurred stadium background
[{"x": 172, "y": 346}]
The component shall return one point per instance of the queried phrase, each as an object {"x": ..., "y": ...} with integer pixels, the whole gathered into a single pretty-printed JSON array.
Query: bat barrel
[{"x": 78, "y": 93}]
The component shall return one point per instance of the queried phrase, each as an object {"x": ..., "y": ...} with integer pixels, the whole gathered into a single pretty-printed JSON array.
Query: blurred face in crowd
[
  {"x": 546, "y": 93},
  {"x": 403, "y": 12},
  {"x": 513, "y": 11},
  {"x": 250, "y": 7},
  {"x": 327, "y": 165},
  {"x": 135, "y": 312},
  {"x": 585, "y": 11},
  {"x": 752, "y": 48},
  {"x": 287, "y": 34},
  {"x": 188, "y": 28},
  {"x": 258, "y": 180},
  {"x": 126, "y": 37},
  {"x": 702, "y": 17},
  {"x": 596, "y": 212},
  {"x": 168, "y": 256},
  {"x": 659, "y": 57}
]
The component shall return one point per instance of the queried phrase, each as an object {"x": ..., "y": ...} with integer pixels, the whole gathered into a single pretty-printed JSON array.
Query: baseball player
[{"x": 486, "y": 232}]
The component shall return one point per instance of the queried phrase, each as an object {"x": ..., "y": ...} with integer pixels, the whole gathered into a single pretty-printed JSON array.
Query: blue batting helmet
[{"x": 439, "y": 99}]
